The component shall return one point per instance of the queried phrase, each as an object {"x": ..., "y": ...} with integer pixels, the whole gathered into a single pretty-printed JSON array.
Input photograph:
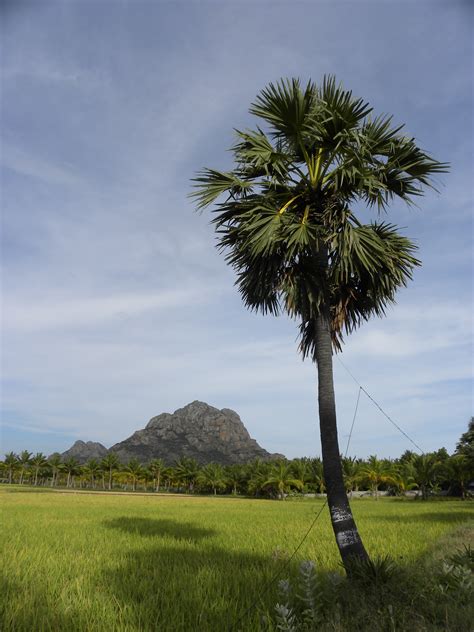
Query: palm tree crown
[{"x": 288, "y": 222}]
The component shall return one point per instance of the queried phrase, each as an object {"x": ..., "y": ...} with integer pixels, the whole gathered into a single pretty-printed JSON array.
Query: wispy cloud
[{"x": 25, "y": 164}]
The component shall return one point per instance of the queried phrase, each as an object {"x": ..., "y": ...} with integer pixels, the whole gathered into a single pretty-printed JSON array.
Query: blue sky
[{"x": 116, "y": 305}]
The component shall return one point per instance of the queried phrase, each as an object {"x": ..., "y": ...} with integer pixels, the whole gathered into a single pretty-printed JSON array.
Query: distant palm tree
[
  {"x": 186, "y": 470},
  {"x": 287, "y": 223},
  {"x": 257, "y": 473},
  {"x": 55, "y": 461},
  {"x": 317, "y": 475},
  {"x": 426, "y": 471},
  {"x": 376, "y": 472},
  {"x": 234, "y": 476},
  {"x": 301, "y": 469},
  {"x": 351, "y": 469},
  {"x": 38, "y": 461},
  {"x": 282, "y": 479},
  {"x": 157, "y": 467},
  {"x": 212, "y": 475},
  {"x": 403, "y": 476},
  {"x": 24, "y": 461},
  {"x": 134, "y": 471},
  {"x": 72, "y": 468},
  {"x": 460, "y": 470},
  {"x": 110, "y": 463},
  {"x": 11, "y": 464},
  {"x": 92, "y": 470}
]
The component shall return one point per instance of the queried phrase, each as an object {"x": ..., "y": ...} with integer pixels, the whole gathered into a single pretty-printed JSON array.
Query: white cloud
[{"x": 93, "y": 311}]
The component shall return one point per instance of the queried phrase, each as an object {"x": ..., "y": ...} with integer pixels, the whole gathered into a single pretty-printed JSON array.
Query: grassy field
[{"x": 108, "y": 562}]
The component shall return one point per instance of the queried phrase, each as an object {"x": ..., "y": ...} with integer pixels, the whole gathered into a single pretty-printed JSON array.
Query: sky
[{"x": 116, "y": 304}]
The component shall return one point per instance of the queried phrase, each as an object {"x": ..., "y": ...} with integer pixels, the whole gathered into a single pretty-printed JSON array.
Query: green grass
[{"x": 128, "y": 563}]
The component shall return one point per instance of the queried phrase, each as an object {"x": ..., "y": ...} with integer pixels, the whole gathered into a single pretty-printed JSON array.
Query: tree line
[{"x": 427, "y": 473}]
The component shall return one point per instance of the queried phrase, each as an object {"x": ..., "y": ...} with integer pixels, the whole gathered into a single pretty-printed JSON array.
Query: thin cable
[
  {"x": 353, "y": 421},
  {"x": 380, "y": 407},
  {"x": 277, "y": 574}
]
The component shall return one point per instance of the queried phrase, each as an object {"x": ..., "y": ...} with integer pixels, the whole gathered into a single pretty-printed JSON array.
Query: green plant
[
  {"x": 464, "y": 557},
  {"x": 303, "y": 606},
  {"x": 372, "y": 572}
]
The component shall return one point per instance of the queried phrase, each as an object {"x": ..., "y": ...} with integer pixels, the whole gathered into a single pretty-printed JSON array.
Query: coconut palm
[
  {"x": 38, "y": 461},
  {"x": 92, "y": 469},
  {"x": 257, "y": 473},
  {"x": 110, "y": 462},
  {"x": 212, "y": 476},
  {"x": 157, "y": 467},
  {"x": 11, "y": 464},
  {"x": 281, "y": 478},
  {"x": 235, "y": 476},
  {"x": 403, "y": 477},
  {"x": 351, "y": 469},
  {"x": 23, "y": 463},
  {"x": 317, "y": 475},
  {"x": 72, "y": 468},
  {"x": 134, "y": 471},
  {"x": 286, "y": 221},
  {"x": 426, "y": 471},
  {"x": 460, "y": 469},
  {"x": 55, "y": 461},
  {"x": 376, "y": 472},
  {"x": 301, "y": 469},
  {"x": 186, "y": 470}
]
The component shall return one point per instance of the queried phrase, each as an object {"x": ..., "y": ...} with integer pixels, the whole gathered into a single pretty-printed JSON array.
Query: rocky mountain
[
  {"x": 198, "y": 430},
  {"x": 83, "y": 451}
]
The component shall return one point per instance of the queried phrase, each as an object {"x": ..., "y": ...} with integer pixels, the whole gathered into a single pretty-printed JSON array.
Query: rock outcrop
[
  {"x": 83, "y": 451},
  {"x": 199, "y": 431}
]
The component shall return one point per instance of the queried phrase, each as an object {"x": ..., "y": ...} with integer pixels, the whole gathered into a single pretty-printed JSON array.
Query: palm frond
[{"x": 210, "y": 184}]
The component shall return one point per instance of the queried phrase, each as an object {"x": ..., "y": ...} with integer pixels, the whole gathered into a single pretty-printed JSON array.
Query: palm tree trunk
[{"x": 343, "y": 524}]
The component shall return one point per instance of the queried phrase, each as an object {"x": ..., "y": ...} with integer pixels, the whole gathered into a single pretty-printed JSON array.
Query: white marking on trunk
[
  {"x": 339, "y": 515},
  {"x": 346, "y": 538}
]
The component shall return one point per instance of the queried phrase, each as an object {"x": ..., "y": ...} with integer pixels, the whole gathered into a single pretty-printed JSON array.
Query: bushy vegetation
[
  {"x": 427, "y": 473},
  {"x": 95, "y": 562}
]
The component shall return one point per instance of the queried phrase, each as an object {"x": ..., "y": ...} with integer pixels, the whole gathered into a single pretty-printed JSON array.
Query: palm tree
[
  {"x": 134, "y": 470},
  {"x": 287, "y": 223},
  {"x": 72, "y": 467},
  {"x": 351, "y": 469},
  {"x": 460, "y": 469},
  {"x": 317, "y": 475},
  {"x": 426, "y": 470},
  {"x": 235, "y": 476},
  {"x": 404, "y": 480},
  {"x": 110, "y": 462},
  {"x": 23, "y": 462},
  {"x": 186, "y": 470},
  {"x": 376, "y": 472},
  {"x": 38, "y": 461},
  {"x": 301, "y": 469},
  {"x": 281, "y": 477},
  {"x": 55, "y": 461},
  {"x": 156, "y": 468},
  {"x": 92, "y": 469},
  {"x": 11, "y": 464},
  {"x": 212, "y": 475},
  {"x": 257, "y": 473}
]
